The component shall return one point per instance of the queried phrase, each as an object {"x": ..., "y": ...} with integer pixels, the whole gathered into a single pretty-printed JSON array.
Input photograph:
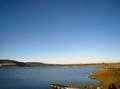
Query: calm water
[{"x": 39, "y": 77}]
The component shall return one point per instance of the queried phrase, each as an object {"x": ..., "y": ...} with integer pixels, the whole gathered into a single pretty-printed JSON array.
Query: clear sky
[{"x": 55, "y": 29}]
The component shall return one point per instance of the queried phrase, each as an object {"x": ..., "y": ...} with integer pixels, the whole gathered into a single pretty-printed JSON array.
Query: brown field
[{"x": 108, "y": 75}]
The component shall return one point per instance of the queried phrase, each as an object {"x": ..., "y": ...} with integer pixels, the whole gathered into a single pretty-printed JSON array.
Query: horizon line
[{"x": 74, "y": 60}]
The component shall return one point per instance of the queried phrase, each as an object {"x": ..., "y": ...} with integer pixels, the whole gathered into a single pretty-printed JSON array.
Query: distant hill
[
  {"x": 7, "y": 63},
  {"x": 30, "y": 64},
  {"x": 4, "y": 63}
]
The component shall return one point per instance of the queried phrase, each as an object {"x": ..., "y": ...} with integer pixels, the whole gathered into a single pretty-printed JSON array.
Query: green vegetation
[{"x": 109, "y": 76}]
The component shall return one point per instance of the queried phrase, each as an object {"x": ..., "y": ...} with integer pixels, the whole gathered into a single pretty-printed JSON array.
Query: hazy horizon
[
  {"x": 65, "y": 60},
  {"x": 60, "y": 30}
]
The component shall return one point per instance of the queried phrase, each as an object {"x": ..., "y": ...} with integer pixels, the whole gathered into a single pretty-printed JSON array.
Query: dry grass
[{"x": 108, "y": 76}]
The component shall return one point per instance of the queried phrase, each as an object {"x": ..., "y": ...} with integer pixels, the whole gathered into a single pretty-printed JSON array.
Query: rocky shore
[{"x": 107, "y": 74}]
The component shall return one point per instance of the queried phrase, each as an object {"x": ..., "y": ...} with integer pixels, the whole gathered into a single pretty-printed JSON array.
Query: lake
[{"x": 39, "y": 77}]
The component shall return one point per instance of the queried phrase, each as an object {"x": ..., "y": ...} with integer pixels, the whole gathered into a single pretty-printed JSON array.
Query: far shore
[{"x": 11, "y": 63}]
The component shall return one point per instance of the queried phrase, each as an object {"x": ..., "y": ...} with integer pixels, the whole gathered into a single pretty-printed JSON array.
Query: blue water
[{"x": 39, "y": 77}]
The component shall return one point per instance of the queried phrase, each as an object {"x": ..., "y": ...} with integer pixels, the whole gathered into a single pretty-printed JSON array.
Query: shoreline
[
  {"x": 108, "y": 77},
  {"x": 11, "y": 63}
]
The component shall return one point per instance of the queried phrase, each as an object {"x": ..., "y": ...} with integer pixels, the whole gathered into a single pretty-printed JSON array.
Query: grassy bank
[{"x": 108, "y": 75}]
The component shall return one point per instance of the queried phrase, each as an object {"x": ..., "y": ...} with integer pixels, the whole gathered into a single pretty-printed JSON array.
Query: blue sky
[{"x": 60, "y": 28}]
